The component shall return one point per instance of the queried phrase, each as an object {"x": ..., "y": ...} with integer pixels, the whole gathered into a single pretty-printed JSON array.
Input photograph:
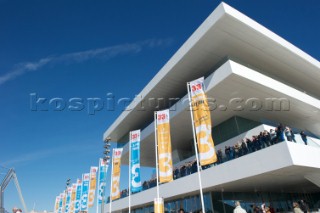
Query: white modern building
[{"x": 255, "y": 80}]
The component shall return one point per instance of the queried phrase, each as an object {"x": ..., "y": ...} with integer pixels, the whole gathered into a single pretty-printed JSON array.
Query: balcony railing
[{"x": 230, "y": 153}]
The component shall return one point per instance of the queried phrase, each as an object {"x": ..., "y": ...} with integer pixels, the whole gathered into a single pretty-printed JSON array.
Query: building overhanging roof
[
  {"x": 226, "y": 33},
  {"x": 233, "y": 81}
]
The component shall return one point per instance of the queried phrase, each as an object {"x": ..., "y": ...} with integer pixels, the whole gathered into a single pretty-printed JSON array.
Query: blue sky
[{"x": 86, "y": 49}]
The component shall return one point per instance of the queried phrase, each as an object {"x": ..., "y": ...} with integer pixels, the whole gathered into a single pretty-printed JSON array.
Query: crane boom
[{"x": 11, "y": 175}]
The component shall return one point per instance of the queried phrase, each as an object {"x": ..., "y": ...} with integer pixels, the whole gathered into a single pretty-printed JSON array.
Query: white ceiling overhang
[
  {"x": 226, "y": 33},
  {"x": 233, "y": 80}
]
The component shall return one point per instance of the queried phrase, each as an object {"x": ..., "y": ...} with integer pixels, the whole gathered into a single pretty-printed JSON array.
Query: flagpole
[
  {"x": 98, "y": 175},
  {"x": 81, "y": 194},
  {"x": 110, "y": 202},
  {"x": 157, "y": 163},
  {"x": 87, "y": 208},
  {"x": 196, "y": 149},
  {"x": 104, "y": 185},
  {"x": 82, "y": 178},
  {"x": 129, "y": 168}
]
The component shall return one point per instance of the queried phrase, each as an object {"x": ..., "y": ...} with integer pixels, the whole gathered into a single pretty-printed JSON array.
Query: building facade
[{"x": 254, "y": 81}]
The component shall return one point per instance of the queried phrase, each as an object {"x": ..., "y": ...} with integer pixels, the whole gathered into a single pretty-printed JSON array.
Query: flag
[
  {"x": 73, "y": 197},
  {"x": 78, "y": 196},
  {"x": 64, "y": 201},
  {"x": 56, "y": 204},
  {"x": 134, "y": 169},
  {"x": 164, "y": 146},
  {"x": 158, "y": 205},
  {"x": 103, "y": 168},
  {"x": 93, "y": 185},
  {"x": 115, "y": 179},
  {"x": 85, "y": 191},
  {"x": 61, "y": 202},
  {"x": 67, "y": 210},
  {"x": 202, "y": 122}
]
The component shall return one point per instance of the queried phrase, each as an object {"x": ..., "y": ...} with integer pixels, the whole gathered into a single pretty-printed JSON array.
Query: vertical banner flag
[
  {"x": 158, "y": 205},
  {"x": 164, "y": 146},
  {"x": 202, "y": 122},
  {"x": 135, "y": 180},
  {"x": 64, "y": 201},
  {"x": 93, "y": 184},
  {"x": 68, "y": 199},
  {"x": 115, "y": 179},
  {"x": 61, "y": 202},
  {"x": 73, "y": 197},
  {"x": 78, "y": 196},
  {"x": 85, "y": 191},
  {"x": 103, "y": 168},
  {"x": 56, "y": 204}
]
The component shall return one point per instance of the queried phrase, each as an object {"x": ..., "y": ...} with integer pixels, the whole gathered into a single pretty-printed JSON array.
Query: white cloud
[
  {"x": 42, "y": 154},
  {"x": 104, "y": 53}
]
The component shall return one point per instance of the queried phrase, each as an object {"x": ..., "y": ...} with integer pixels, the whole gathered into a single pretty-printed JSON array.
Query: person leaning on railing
[
  {"x": 219, "y": 155},
  {"x": 273, "y": 137}
]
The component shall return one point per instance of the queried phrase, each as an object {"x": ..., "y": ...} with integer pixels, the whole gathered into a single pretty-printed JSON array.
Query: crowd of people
[
  {"x": 297, "y": 207},
  {"x": 245, "y": 146},
  {"x": 257, "y": 142}
]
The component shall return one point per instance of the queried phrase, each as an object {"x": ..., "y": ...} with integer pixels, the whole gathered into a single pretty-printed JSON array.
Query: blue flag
[
  {"x": 103, "y": 168},
  {"x": 78, "y": 197},
  {"x": 61, "y": 203},
  {"x": 85, "y": 191},
  {"x": 135, "y": 180},
  {"x": 68, "y": 199}
]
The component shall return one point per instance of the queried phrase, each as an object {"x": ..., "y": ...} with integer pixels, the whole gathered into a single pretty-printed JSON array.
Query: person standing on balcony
[
  {"x": 267, "y": 138},
  {"x": 280, "y": 133},
  {"x": 227, "y": 152},
  {"x": 256, "y": 142},
  {"x": 261, "y": 140},
  {"x": 288, "y": 134},
  {"x": 236, "y": 150},
  {"x": 293, "y": 136},
  {"x": 249, "y": 145},
  {"x": 304, "y": 137},
  {"x": 244, "y": 147},
  {"x": 232, "y": 152},
  {"x": 219, "y": 154},
  {"x": 273, "y": 137}
]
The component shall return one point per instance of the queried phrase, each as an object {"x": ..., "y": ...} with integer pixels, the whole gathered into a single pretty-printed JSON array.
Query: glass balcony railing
[{"x": 230, "y": 153}]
